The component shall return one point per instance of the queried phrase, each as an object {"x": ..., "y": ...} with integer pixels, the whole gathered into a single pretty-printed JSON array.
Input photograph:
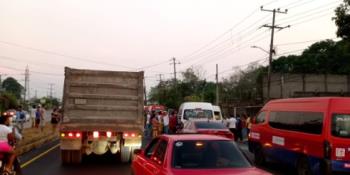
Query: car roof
[{"x": 178, "y": 137}]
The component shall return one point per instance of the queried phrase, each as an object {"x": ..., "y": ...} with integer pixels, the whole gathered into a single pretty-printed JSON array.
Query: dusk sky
[{"x": 134, "y": 35}]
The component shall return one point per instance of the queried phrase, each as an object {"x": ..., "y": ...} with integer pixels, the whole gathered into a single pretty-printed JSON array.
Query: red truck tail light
[
  {"x": 77, "y": 135},
  {"x": 126, "y": 135},
  {"x": 95, "y": 134},
  {"x": 109, "y": 134},
  {"x": 70, "y": 134},
  {"x": 133, "y": 135}
]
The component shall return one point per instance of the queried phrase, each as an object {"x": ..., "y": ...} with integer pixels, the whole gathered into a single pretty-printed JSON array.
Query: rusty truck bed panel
[{"x": 101, "y": 100}]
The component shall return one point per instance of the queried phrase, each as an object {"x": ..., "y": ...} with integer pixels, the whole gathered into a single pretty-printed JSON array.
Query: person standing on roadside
[
  {"x": 231, "y": 124},
  {"x": 166, "y": 123},
  {"x": 42, "y": 119},
  {"x": 172, "y": 122},
  {"x": 160, "y": 121},
  {"x": 249, "y": 124},
  {"x": 54, "y": 119},
  {"x": 20, "y": 118},
  {"x": 239, "y": 128},
  {"x": 37, "y": 116},
  {"x": 32, "y": 115},
  {"x": 155, "y": 126}
]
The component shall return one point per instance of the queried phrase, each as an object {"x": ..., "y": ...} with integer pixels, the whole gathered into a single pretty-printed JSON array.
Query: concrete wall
[{"x": 296, "y": 85}]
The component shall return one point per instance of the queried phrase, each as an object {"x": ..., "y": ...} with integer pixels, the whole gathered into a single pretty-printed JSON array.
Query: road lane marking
[{"x": 39, "y": 156}]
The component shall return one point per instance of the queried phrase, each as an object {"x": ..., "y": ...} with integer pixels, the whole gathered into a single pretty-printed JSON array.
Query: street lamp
[
  {"x": 272, "y": 52},
  {"x": 257, "y": 47}
]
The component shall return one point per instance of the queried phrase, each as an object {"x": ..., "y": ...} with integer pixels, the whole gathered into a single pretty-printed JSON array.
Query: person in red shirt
[{"x": 172, "y": 122}]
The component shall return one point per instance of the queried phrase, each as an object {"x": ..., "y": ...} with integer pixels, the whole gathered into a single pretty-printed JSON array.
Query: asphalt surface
[{"x": 50, "y": 164}]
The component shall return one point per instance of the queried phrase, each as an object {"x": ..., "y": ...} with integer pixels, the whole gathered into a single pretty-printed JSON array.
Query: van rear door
[{"x": 340, "y": 136}]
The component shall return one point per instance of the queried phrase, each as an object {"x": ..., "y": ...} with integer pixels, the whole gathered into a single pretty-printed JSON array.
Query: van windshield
[
  {"x": 198, "y": 114},
  {"x": 341, "y": 125}
]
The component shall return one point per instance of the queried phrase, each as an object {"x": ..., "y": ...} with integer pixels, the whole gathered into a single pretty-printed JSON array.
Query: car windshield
[
  {"x": 209, "y": 125},
  {"x": 341, "y": 125},
  {"x": 207, "y": 155},
  {"x": 198, "y": 114}
]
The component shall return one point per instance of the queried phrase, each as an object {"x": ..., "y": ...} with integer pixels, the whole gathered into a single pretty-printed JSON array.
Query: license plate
[{"x": 347, "y": 165}]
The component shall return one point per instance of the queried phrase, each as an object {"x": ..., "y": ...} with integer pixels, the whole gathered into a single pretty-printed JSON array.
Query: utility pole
[
  {"x": 51, "y": 89},
  {"x": 271, "y": 52},
  {"x": 160, "y": 78},
  {"x": 174, "y": 64},
  {"x": 26, "y": 85},
  {"x": 217, "y": 85}
]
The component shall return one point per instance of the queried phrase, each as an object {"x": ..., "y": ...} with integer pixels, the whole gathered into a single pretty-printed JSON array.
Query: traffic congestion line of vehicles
[
  {"x": 192, "y": 154},
  {"x": 311, "y": 135}
]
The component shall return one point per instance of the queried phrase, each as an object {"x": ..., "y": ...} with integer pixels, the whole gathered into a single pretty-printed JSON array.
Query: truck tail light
[
  {"x": 63, "y": 134},
  {"x": 133, "y": 135},
  {"x": 70, "y": 134},
  {"x": 126, "y": 135},
  {"x": 95, "y": 134},
  {"x": 109, "y": 134},
  {"x": 77, "y": 135}
]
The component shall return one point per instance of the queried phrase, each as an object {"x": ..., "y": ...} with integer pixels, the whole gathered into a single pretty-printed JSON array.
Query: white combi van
[
  {"x": 217, "y": 112},
  {"x": 196, "y": 110}
]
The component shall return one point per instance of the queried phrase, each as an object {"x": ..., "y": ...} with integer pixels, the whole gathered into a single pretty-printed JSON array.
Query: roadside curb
[{"x": 35, "y": 143}]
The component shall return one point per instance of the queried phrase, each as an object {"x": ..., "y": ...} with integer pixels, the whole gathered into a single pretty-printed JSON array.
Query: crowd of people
[
  {"x": 160, "y": 122},
  {"x": 239, "y": 125}
]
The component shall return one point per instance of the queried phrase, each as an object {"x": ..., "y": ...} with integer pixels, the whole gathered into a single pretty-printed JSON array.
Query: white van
[
  {"x": 196, "y": 110},
  {"x": 217, "y": 112}
]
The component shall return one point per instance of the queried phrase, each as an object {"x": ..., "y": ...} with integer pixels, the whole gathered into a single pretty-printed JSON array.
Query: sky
[{"x": 144, "y": 35}]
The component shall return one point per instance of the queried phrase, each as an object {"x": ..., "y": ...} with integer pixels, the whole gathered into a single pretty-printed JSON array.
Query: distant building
[{"x": 307, "y": 85}]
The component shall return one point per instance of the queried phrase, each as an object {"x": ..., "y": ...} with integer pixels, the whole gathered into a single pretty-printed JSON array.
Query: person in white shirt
[
  {"x": 166, "y": 123},
  {"x": 231, "y": 124},
  {"x": 6, "y": 135}
]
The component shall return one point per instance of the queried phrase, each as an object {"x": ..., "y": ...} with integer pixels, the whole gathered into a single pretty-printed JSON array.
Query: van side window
[
  {"x": 307, "y": 122},
  {"x": 260, "y": 118}
]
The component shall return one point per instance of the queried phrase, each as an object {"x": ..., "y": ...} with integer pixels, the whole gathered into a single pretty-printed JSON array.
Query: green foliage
[
  {"x": 8, "y": 101},
  {"x": 342, "y": 20},
  {"x": 12, "y": 86},
  {"x": 325, "y": 57},
  {"x": 191, "y": 88}
]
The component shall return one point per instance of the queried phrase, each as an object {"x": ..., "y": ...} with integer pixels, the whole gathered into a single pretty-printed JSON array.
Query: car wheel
[
  {"x": 259, "y": 156},
  {"x": 303, "y": 167}
]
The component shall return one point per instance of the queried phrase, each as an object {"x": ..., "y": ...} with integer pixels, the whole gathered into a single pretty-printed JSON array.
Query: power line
[
  {"x": 63, "y": 55},
  {"x": 303, "y": 42}
]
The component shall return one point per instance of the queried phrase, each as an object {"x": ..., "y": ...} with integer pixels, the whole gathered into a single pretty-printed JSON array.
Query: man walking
[{"x": 231, "y": 124}]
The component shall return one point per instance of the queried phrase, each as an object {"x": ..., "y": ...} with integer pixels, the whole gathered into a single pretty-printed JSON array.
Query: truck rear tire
[
  {"x": 71, "y": 157},
  {"x": 125, "y": 152},
  {"x": 65, "y": 157},
  {"x": 76, "y": 156}
]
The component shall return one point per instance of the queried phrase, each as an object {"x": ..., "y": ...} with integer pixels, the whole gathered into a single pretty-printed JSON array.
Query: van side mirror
[{"x": 185, "y": 118}]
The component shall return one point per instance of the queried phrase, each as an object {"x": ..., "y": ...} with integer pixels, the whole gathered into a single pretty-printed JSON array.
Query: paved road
[{"x": 50, "y": 164}]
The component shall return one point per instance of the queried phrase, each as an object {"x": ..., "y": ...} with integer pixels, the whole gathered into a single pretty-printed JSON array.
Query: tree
[
  {"x": 342, "y": 20},
  {"x": 12, "y": 86}
]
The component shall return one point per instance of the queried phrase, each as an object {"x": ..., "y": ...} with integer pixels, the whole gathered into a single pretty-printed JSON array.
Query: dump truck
[{"x": 102, "y": 113}]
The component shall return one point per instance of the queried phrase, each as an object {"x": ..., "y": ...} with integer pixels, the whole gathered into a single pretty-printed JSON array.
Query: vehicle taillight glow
[
  {"x": 133, "y": 135},
  {"x": 109, "y": 134},
  {"x": 126, "y": 135},
  {"x": 4, "y": 113},
  {"x": 95, "y": 134},
  {"x": 63, "y": 134},
  {"x": 11, "y": 113},
  {"x": 77, "y": 135},
  {"x": 70, "y": 134}
]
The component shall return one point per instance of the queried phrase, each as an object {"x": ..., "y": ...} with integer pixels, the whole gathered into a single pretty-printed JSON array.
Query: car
[
  {"x": 207, "y": 127},
  {"x": 311, "y": 135},
  {"x": 190, "y": 154}
]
